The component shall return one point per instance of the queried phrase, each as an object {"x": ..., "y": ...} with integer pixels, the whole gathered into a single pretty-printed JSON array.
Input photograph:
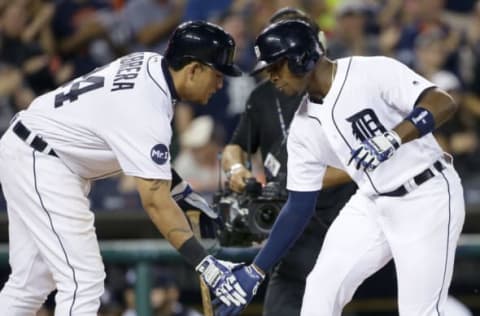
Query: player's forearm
[
  {"x": 438, "y": 103},
  {"x": 173, "y": 225},
  {"x": 232, "y": 154},
  {"x": 290, "y": 223},
  {"x": 170, "y": 221},
  {"x": 163, "y": 211}
]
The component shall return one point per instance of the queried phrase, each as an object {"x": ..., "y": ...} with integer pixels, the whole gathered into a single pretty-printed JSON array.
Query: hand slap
[
  {"x": 221, "y": 281},
  {"x": 249, "y": 278}
]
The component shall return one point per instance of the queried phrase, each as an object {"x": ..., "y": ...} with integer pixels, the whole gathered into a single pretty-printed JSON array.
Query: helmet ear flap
[
  {"x": 302, "y": 63},
  {"x": 295, "y": 65}
]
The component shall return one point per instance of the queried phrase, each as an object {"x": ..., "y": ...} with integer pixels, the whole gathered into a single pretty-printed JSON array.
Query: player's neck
[
  {"x": 322, "y": 78},
  {"x": 178, "y": 82},
  {"x": 179, "y": 79}
]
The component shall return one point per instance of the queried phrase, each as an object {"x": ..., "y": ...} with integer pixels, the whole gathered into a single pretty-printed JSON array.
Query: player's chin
[
  {"x": 205, "y": 99},
  {"x": 298, "y": 91},
  {"x": 199, "y": 100},
  {"x": 289, "y": 91}
]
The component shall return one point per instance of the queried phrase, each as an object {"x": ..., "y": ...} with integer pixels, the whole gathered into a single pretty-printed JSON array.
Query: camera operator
[{"x": 265, "y": 125}]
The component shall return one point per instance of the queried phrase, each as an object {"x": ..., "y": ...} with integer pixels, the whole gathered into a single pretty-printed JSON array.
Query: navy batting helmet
[
  {"x": 293, "y": 40},
  {"x": 204, "y": 42}
]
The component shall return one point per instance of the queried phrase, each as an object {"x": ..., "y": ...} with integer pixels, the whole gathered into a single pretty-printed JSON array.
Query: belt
[
  {"x": 419, "y": 179},
  {"x": 35, "y": 141}
]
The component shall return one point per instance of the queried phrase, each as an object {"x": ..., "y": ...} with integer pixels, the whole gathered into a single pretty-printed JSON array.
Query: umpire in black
[{"x": 265, "y": 125}]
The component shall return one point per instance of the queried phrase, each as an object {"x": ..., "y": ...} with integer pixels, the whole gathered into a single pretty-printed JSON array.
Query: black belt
[
  {"x": 420, "y": 178},
  {"x": 36, "y": 142}
]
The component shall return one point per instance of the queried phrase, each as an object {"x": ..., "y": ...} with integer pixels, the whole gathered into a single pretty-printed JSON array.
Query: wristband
[
  {"x": 193, "y": 251},
  {"x": 422, "y": 119}
]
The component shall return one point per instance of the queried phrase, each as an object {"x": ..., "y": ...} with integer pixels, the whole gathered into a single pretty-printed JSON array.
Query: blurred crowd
[
  {"x": 168, "y": 293},
  {"x": 45, "y": 43}
]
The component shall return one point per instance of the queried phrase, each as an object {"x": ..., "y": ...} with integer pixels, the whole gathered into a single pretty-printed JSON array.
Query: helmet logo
[{"x": 257, "y": 51}]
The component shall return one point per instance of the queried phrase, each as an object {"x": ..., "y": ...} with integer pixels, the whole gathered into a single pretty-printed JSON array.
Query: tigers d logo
[
  {"x": 160, "y": 154},
  {"x": 365, "y": 125}
]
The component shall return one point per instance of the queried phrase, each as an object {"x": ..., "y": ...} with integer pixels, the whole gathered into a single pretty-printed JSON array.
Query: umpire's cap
[
  {"x": 204, "y": 42},
  {"x": 294, "y": 40}
]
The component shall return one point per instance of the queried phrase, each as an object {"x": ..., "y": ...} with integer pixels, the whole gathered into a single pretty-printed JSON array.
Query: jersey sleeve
[
  {"x": 145, "y": 152},
  {"x": 400, "y": 86},
  {"x": 305, "y": 168}
]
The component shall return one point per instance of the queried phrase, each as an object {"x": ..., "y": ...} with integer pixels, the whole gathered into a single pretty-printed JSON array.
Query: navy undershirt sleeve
[
  {"x": 291, "y": 222},
  {"x": 176, "y": 179}
]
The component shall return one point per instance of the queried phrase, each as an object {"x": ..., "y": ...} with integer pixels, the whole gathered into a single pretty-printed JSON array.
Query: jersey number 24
[{"x": 78, "y": 88}]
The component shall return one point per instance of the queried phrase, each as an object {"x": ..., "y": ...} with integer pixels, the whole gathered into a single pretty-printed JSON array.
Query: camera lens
[{"x": 265, "y": 217}]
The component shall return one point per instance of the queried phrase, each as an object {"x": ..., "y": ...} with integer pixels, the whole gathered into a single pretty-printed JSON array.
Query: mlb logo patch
[{"x": 160, "y": 154}]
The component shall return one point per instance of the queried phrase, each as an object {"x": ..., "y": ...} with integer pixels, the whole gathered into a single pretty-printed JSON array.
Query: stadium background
[{"x": 44, "y": 43}]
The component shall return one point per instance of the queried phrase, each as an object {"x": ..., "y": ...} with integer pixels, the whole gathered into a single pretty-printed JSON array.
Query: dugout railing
[{"x": 144, "y": 253}]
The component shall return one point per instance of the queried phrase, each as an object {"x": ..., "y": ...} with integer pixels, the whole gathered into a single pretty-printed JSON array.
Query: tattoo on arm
[
  {"x": 178, "y": 230},
  {"x": 157, "y": 184}
]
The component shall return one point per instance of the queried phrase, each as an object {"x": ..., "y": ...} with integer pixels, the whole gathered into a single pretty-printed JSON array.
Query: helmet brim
[
  {"x": 229, "y": 70},
  {"x": 260, "y": 66}
]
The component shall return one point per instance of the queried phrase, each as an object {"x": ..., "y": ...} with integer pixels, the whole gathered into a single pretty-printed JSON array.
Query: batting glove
[
  {"x": 222, "y": 282},
  {"x": 250, "y": 278},
  {"x": 375, "y": 150},
  {"x": 187, "y": 199}
]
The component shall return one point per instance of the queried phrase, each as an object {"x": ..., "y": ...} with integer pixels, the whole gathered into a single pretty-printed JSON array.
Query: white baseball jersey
[
  {"x": 114, "y": 118},
  {"x": 419, "y": 230},
  {"x": 358, "y": 107}
]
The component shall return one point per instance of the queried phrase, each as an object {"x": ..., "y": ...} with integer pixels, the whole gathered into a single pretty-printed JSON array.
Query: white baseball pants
[
  {"x": 52, "y": 240},
  {"x": 419, "y": 231}
]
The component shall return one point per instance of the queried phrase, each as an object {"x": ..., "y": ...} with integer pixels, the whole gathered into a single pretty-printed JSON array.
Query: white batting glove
[
  {"x": 218, "y": 276},
  {"x": 375, "y": 150}
]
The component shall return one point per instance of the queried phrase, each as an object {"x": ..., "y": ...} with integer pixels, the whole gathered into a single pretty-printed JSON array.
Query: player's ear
[{"x": 194, "y": 68}]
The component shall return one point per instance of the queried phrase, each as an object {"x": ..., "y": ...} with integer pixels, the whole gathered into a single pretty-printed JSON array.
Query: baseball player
[
  {"x": 264, "y": 126},
  {"x": 373, "y": 118},
  {"x": 114, "y": 119}
]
